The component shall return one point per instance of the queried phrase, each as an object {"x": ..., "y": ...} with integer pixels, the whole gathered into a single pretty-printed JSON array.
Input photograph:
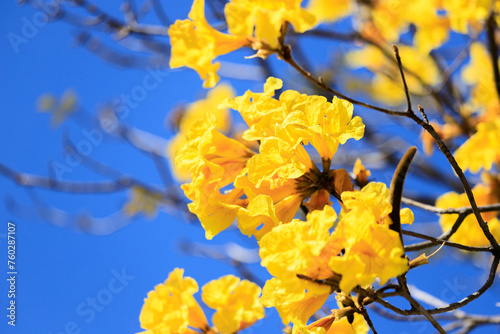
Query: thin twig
[
  {"x": 401, "y": 71},
  {"x": 438, "y": 241}
]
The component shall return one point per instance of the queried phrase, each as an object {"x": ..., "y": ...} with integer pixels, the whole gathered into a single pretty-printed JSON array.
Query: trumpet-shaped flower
[
  {"x": 298, "y": 118},
  {"x": 264, "y": 18},
  {"x": 171, "y": 307},
  {"x": 214, "y": 161},
  {"x": 278, "y": 162},
  {"x": 285, "y": 201},
  {"x": 236, "y": 303},
  {"x": 372, "y": 250},
  {"x": 332, "y": 325},
  {"x": 297, "y": 299},
  {"x": 194, "y": 112},
  {"x": 196, "y": 44}
]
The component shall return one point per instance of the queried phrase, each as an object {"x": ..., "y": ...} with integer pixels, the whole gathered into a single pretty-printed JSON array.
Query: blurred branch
[{"x": 31, "y": 180}]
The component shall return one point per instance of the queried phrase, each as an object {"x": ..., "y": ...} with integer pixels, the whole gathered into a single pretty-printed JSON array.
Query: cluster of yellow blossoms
[
  {"x": 262, "y": 177},
  {"x": 258, "y": 179},
  {"x": 172, "y": 308},
  {"x": 260, "y": 25}
]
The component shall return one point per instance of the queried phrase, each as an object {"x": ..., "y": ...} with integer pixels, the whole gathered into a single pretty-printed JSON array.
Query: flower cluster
[
  {"x": 172, "y": 308},
  {"x": 266, "y": 188},
  {"x": 255, "y": 24},
  {"x": 261, "y": 178}
]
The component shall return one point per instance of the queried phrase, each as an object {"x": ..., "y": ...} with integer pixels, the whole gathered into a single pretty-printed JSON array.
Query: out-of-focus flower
[
  {"x": 142, "y": 201},
  {"x": 60, "y": 109},
  {"x": 470, "y": 233},
  {"x": 482, "y": 149}
]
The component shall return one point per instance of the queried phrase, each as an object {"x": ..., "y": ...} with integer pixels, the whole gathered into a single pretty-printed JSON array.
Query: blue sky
[{"x": 71, "y": 282}]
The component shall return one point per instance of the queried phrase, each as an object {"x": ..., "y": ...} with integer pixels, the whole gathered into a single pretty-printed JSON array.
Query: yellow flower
[
  {"x": 278, "y": 162},
  {"x": 372, "y": 250},
  {"x": 264, "y": 18},
  {"x": 329, "y": 11},
  {"x": 362, "y": 174},
  {"x": 482, "y": 149},
  {"x": 478, "y": 74},
  {"x": 308, "y": 239},
  {"x": 325, "y": 125},
  {"x": 297, "y": 299},
  {"x": 331, "y": 325},
  {"x": 214, "y": 161},
  {"x": 431, "y": 32},
  {"x": 59, "y": 109},
  {"x": 470, "y": 233},
  {"x": 259, "y": 110},
  {"x": 259, "y": 217},
  {"x": 171, "y": 307},
  {"x": 142, "y": 201},
  {"x": 298, "y": 118},
  {"x": 193, "y": 113},
  {"x": 196, "y": 44},
  {"x": 465, "y": 14},
  {"x": 286, "y": 201},
  {"x": 237, "y": 303}
]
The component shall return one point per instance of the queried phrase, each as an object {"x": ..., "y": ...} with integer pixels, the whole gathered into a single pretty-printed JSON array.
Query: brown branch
[
  {"x": 86, "y": 187},
  {"x": 491, "y": 27},
  {"x": 462, "y": 210},
  {"x": 468, "y": 190},
  {"x": 437, "y": 241},
  {"x": 396, "y": 190},
  {"x": 286, "y": 54},
  {"x": 444, "y": 236},
  {"x": 401, "y": 71}
]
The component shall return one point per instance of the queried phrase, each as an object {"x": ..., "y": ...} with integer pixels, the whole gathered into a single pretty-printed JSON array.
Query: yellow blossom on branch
[
  {"x": 196, "y": 111},
  {"x": 328, "y": 10},
  {"x": 264, "y": 18},
  {"x": 256, "y": 24},
  {"x": 196, "y": 44},
  {"x": 237, "y": 303},
  {"x": 298, "y": 118},
  {"x": 298, "y": 248},
  {"x": 214, "y": 161},
  {"x": 171, "y": 307},
  {"x": 372, "y": 250}
]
